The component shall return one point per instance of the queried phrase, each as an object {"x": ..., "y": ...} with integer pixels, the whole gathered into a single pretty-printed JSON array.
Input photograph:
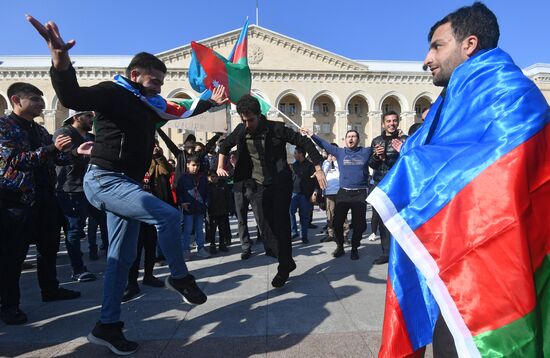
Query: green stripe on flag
[{"x": 528, "y": 336}]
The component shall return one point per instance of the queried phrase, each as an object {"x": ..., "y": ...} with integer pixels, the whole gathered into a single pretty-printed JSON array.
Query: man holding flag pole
[{"x": 467, "y": 205}]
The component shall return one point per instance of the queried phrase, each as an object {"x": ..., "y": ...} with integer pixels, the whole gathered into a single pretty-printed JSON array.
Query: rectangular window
[
  {"x": 282, "y": 107},
  {"x": 325, "y": 128},
  {"x": 291, "y": 109},
  {"x": 316, "y": 109},
  {"x": 325, "y": 108}
]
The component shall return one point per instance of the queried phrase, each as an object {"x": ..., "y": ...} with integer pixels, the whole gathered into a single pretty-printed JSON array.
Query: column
[
  {"x": 341, "y": 119},
  {"x": 373, "y": 125},
  {"x": 407, "y": 120}
]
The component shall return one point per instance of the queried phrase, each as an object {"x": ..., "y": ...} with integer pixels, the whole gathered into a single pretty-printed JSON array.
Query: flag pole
[
  {"x": 288, "y": 119},
  {"x": 257, "y": 14}
]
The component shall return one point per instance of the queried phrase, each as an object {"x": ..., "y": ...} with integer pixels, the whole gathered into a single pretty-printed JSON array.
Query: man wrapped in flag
[{"x": 468, "y": 206}]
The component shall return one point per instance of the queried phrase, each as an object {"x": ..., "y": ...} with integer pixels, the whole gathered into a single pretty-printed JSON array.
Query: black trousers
[
  {"x": 248, "y": 192},
  {"x": 353, "y": 200},
  {"x": 275, "y": 206},
  {"x": 147, "y": 241},
  {"x": 19, "y": 227},
  {"x": 14, "y": 243},
  {"x": 384, "y": 239},
  {"x": 221, "y": 223},
  {"x": 375, "y": 221}
]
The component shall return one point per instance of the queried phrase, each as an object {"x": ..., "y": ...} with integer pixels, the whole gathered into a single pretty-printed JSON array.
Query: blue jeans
[
  {"x": 75, "y": 210},
  {"x": 127, "y": 204},
  {"x": 195, "y": 221},
  {"x": 299, "y": 202}
]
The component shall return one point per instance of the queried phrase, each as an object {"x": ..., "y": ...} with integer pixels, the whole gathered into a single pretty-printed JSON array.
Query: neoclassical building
[{"x": 312, "y": 86}]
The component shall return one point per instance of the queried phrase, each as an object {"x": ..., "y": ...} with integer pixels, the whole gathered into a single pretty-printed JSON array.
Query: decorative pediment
[{"x": 268, "y": 50}]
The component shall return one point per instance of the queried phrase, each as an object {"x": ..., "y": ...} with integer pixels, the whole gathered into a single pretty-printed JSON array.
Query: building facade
[{"x": 314, "y": 87}]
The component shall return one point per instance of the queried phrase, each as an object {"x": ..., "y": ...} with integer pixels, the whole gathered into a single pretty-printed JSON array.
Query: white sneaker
[
  {"x": 187, "y": 255},
  {"x": 373, "y": 237},
  {"x": 203, "y": 253}
]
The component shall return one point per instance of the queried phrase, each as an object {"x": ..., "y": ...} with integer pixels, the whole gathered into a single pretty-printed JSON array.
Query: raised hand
[
  {"x": 218, "y": 95},
  {"x": 306, "y": 132},
  {"x": 58, "y": 47}
]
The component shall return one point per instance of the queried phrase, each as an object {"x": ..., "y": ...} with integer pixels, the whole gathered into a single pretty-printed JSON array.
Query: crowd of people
[{"x": 121, "y": 181}]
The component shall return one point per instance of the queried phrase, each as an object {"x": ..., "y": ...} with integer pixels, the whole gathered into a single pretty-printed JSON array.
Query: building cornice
[{"x": 102, "y": 74}]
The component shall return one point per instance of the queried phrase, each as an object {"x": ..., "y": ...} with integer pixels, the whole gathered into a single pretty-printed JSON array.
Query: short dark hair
[
  {"x": 19, "y": 88},
  {"x": 192, "y": 158},
  {"x": 300, "y": 150},
  {"x": 390, "y": 113},
  {"x": 475, "y": 20},
  {"x": 354, "y": 131},
  {"x": 145, "y": 61},
  {"x": 248, "y": 105}
]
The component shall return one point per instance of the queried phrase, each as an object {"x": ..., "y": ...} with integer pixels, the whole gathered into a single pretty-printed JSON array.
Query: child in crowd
[
  {"x": 192, "y": 191},
  {"x": 218, "y": 212}
]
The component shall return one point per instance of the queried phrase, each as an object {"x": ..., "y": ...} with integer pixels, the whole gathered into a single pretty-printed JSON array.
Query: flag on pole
[
  {"x": 469, "y": 215},
  {"x": 209, "y": 69}
]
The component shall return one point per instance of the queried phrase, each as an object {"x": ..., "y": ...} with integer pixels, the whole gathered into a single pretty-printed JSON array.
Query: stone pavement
[{"x": 329, "y": 308}]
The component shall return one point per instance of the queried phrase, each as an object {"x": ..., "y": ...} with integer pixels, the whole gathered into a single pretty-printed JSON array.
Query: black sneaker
[
  {"x": 213, "y": 250},
  {"x": 245, "y": 255},
  {"x": 83, "y": 277},
  {"x": 131, "y": 291},
  {"x": 13, "y": 316},
  {"x": 312, "y": 226},
  {"x": 282, "y": 276},
  {"x": 152, "y": 281},
  {"x": 381, "y": 260},
  {"x": 187, "y": 288},
  {"x": 354, "y": 254},
  {"x": 339, "y": 251},
  {"x": 110, "y": 335},
  {"x": 59, "y": 294},
  {"x": 223, "y": 248},
  {"x": 305, "y": 240}
]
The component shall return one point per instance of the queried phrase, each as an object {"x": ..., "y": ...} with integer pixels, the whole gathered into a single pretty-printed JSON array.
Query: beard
[{"x": 446, "y": 69}]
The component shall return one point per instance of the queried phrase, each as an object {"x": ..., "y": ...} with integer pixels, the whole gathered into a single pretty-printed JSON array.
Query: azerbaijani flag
[
  {"x": 208, "y": 69},
  {"x": 468, "y": 207}
]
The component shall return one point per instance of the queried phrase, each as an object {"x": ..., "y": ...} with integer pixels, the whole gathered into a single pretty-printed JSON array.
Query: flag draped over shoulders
[{"x": 468, "y": 207}]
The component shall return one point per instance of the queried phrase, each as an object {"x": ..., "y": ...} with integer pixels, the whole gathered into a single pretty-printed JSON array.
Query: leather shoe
[
  {"x": 354, "y": 254},
  {"x": 339, "y": 251},
  {"x": 282, "y": 276},
  {"x": 245, "y": 255},
  {"x": 13, "y": 316},
  {"x": 59, "y": 294},
  {"x": 381, "y": 260}
]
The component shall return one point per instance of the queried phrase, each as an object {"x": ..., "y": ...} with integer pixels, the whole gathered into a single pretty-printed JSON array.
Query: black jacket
[
  {"x": 125, "y": 126},
  {"x": 70, "y": 177},
  {"x": 275, "y": 158},
  {"x": 382, "y": 167}
]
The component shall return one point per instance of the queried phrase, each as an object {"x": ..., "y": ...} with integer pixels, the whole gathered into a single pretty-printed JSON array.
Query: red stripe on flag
[
  {"x": 212, "y": 65},
  {"x": 240, "y": 51},
  {"x": 493, "y": 235},
  {"x": 395, "y": 339}
]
